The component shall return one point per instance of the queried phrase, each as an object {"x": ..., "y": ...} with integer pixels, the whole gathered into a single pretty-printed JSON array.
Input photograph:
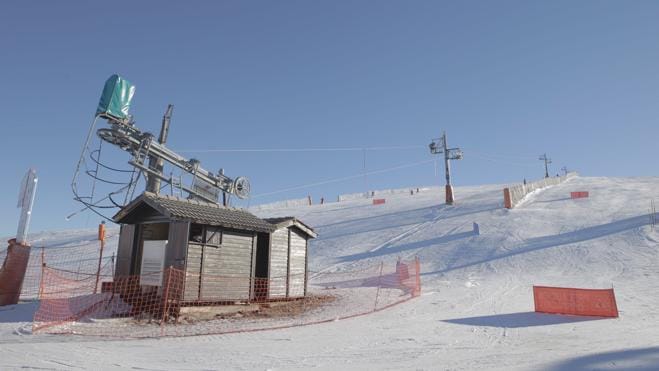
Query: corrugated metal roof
[{"x": 198, "y": 212}]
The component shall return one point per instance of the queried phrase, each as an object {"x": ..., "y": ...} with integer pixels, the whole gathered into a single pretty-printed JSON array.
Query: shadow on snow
[
  {"x": 521, "y": 319},
  {"x": 408, "y": 246},
  {"x": 639, "y": 359},
  {"x": 545, "y": 242}
]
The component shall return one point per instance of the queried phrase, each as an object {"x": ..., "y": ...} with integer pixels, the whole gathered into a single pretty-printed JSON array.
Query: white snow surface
[{"x": 476, "y": 307}]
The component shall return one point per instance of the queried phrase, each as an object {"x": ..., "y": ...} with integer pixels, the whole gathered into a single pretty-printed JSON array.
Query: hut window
[
  {"x": 196, "y": 233},
  {"x": 213, "y": 236}
]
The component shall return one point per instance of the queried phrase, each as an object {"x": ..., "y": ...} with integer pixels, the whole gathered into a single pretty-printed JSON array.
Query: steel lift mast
[{"x": 148, "y": 155}]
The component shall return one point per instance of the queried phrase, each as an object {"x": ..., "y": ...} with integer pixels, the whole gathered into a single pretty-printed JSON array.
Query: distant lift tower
[
  {"x": 547, "y": 162},
  {"x": 438, "y": 146}
]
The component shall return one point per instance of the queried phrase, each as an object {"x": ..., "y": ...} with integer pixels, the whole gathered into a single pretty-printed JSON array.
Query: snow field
[{"x": 476, "y": 307}]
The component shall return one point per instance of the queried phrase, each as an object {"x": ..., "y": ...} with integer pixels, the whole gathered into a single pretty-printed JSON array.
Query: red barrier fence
[
  {"x": 126, "y": 308},
  {"x": 581, "y": 302},
  {"x": 507, "y": 200},
  {"x": 379, "y": 201},
  {"x": 81, "y": 257},
  {"x": 578, "y": 194}
]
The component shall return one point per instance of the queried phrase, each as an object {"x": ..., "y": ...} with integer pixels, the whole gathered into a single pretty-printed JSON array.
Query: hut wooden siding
[
  {"x": 177, "y": 244},
  {"x": 278, "y": 278},
  {"x": 222, "y": 268},
  {"x": 297, "y": 264},
  {"x": 227, "y": 269},
  {"x": 288, "y": 258},
  {"x": 193, "y": 272}
]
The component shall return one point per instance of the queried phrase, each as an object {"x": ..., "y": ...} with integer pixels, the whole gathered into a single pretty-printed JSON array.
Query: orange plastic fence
[
  {"x": 176, "y": 303},
  {"x": 81, "y": 258},
  {"x": 379, "y": 201},
  {"x": 582, "y": 302},
  {"x": 507, "y": 201},
  {"x": 578, "y": 194}
]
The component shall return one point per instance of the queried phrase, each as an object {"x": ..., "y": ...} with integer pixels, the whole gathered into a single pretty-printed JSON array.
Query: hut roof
[
  {"x": 288, "y": 221},
  {"x": 196, "y": 212}
]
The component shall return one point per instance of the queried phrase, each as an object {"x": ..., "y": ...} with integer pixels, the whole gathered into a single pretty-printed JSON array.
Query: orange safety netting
[
  {"x": 81, "y": 258},
  {"x": 582, "y": 302},
  {"x": 578, "y": 194},
  {"x": 176, "y": 303}
]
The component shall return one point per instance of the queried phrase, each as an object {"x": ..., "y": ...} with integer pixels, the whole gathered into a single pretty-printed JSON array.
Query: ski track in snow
[{"x": 476, "y": 307}]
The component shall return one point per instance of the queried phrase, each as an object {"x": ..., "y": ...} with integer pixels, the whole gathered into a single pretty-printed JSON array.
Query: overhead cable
[
  {"x": 341, "y": 179},
  {"x": 318, "y": 149}
]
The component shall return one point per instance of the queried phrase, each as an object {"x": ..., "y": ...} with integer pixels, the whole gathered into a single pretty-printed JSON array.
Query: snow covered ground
[{"x": 476, "y": 307}]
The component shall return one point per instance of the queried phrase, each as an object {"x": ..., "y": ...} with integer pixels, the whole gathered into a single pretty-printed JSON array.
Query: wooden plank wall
[
  {"x": 298, "y": 262},
  {"x": 278, "y": 263},
  {"x": 227, "y": 270},
  {"x": 193, "y": 271},
  {"x": 177, "y": 245}
]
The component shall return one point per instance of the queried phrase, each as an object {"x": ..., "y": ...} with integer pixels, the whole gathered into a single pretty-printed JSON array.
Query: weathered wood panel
[
  {"x": 297, "y": 268},
  {"x": 177, "y": 245},
  {"x": 125, "y": 250},
  {"x": 193, "y": 271},
  {"x": 227, "y": 270},
  {"x": 278, "y": 263}
]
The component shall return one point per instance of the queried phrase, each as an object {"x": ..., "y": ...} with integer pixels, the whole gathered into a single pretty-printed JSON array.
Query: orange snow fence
[
  {"x": 379, "y": 201},
  {"x": 507, "y": 201},
  {"x": 578, "y": 195},
  {"x": 175, "y": 303},
  {"x": 581, "y": 302}
]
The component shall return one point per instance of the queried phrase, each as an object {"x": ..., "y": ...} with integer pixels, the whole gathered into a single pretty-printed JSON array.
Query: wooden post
[
  {"x": 377, "y": 293},
  {"x": 417, "y": 265},
  {"x": 101, "y": 237},
  {"x": 507, "y": 201}
]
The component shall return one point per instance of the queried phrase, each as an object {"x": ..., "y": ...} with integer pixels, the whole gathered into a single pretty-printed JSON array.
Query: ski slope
[{"x": 476, "y": 307}]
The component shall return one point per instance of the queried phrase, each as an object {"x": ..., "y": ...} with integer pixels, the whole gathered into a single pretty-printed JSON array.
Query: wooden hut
[
  {"x": 285, "y": 250},
  {"x": 225, "y": 252}
]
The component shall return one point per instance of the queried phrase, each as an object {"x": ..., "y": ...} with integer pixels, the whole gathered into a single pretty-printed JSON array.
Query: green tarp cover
[{"x": 116, "y": 98}]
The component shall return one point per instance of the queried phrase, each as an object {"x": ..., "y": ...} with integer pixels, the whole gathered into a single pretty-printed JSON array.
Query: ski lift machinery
[{"x": 148, "y": 157}]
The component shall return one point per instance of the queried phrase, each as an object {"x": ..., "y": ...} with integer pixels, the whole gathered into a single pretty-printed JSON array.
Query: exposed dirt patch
[{"x": 291, "y": 308}]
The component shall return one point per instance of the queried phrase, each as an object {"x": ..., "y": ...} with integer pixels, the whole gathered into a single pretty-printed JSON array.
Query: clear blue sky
[{"x": 507, "y": 80}]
